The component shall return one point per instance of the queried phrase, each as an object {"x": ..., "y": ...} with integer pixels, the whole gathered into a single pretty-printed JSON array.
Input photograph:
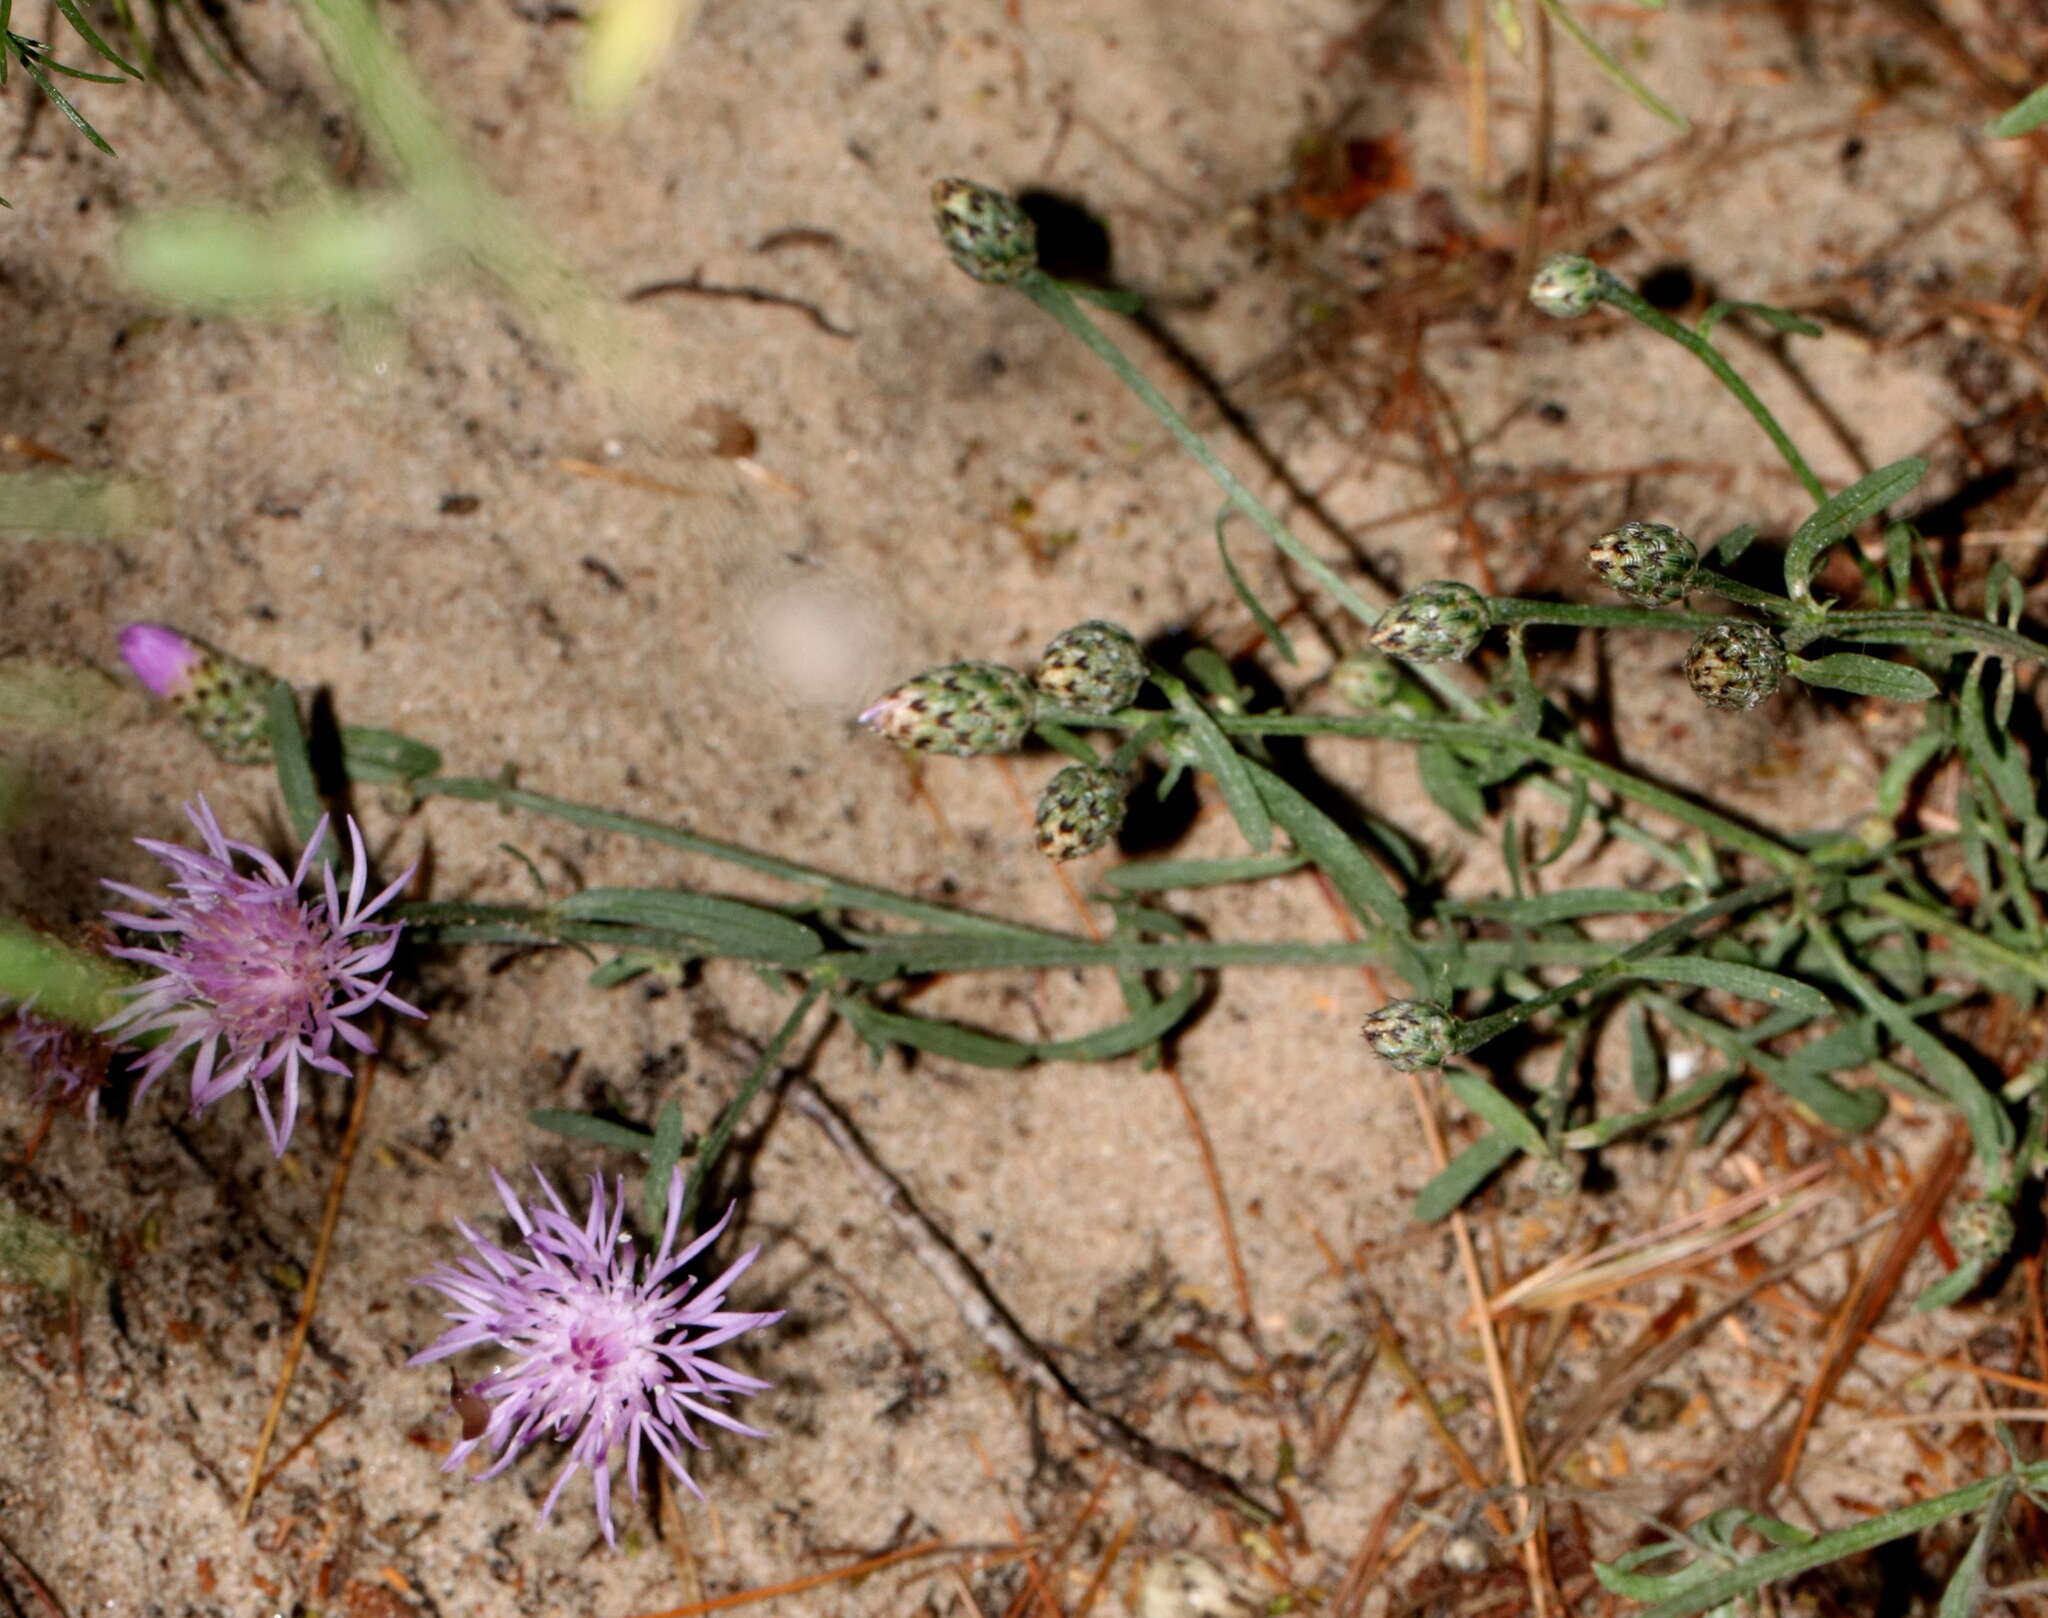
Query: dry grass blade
[
  {"x": 790, "y": 1587},
  {"x": 1684, "y": 1243},
  {"x": 1867, "y": 1300},
  {"x": 1614, "y": 1382}
]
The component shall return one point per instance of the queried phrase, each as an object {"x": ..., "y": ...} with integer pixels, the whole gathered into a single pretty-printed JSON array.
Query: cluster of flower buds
[
  {"x": 1982, "y": 1232},
  {"x": 1735, "y": 665},
  {"x": 1412, "y": 1034},
  {"x": 224, "y": 699},
  {"x": 1439, "y": 622},
  {"x": 1651, "y": 563},
  {"x": 974, "y": 709},
  {"x": 988, "y": 234},
  {"x": 1567, "y": 286}
]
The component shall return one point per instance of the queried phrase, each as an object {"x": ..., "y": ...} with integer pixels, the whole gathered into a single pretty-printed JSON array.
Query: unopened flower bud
[
  {"x": 1651, "y": 563},
  {"x": 1365, "y": 680},
  {"x": 224, "y": 699},
  {"x": 1080, "y": 810},
  {"x": 989, "y": 236},
  {"x": 1412, "y": 1034},
  {"x": 1735, "y": 665},
  {"x": 1981, "y": 1231},
  {"x": 1557, "y": 1176},
  {"x": 966, "y": 709},
  {"x": 1439, "y": 622},
  {"x": 1097, "y": 667},
  {"x": 1567, "y": 286}
]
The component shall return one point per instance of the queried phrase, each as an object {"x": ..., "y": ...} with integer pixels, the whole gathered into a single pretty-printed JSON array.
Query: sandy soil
[{"x": 386, "y": 514}]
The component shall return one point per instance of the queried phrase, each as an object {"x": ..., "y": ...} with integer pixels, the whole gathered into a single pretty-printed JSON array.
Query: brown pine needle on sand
[{"x": 330, "y": 1216}]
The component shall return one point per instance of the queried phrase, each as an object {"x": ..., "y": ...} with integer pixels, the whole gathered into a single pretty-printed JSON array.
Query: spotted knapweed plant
[{"x": 1827, "y": 964}]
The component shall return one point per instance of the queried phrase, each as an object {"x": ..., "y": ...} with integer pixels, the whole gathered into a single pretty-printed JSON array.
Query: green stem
[
  {"x": 1476, "y": 1033},
  {"x": 1630, "y": 303},
  {"x": 1735, "y": 590},
  {"x": 722, "y": 1131},
  {"x": 1513, "y": 610},
  {"x": 831, "y": 889},
  {"x": 1056, "y": 301},
  {"x": 67, "y": 985}
]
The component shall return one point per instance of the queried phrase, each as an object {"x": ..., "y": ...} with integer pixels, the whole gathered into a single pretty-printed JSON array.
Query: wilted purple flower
[
  {"x": 160, "y": 657},
  {"x": 256, "y": 979},
  {"x": 605, "y": 1352},
  {"x": 64, "y": 1063}
]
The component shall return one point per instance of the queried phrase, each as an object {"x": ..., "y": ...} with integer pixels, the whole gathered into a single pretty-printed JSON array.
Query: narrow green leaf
[
  {"x": 1685, "y": 1099},
  {"x": 978, "y": 1049},
  {"x": 1966, "y": 1584},
  {"x": 1953, "y": 1287},
  {"x": 87, "y": 33},
  {"x": 1224, "y": 762},
  {"x": 1151, "y": 876},
  {"x": 1487, "y": 1104},
  {"x": 372, "y": 755},
  {"x": 1645, "y": 1065},
  {"x": 1613, "y": 69},
  {"x": 295, "y": 781},
  {"x": 34, "y": 70},
  {"x": 1570, "y": 904},
  {"x": 1727, "y": 550},
  {"x": 2022, "y": 116},
  {"x": 1462, "y": 1176},
  {"x": 1748, "y": 982},
  {"x": 1841, "y": 514},
  {"x": 1867, "y": 677},
  {"x": 1777, "y": 319},
  {"x": 1364, "y": 886},
  {"x": 1265, "y": 620},
  {"x": 728, "y": 926},
  {"x": 598, "y": 1131},
  {"x": 667, "y": 1151},
  {"x": 1450, "y": 785}
]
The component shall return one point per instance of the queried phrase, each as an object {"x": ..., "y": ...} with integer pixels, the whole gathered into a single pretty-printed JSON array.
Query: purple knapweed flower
[
  {"x": 605, "y": 1352},
  {"x": 255, "y": 979},
  {"x": 160, "y": 657},
  {"x": 65, "y": 1064}
]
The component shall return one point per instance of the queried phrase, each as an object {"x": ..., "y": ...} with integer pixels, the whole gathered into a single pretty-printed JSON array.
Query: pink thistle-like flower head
[
  {"x": 605, "y": 1352},
  {"x": 253, "y": 978},
  {"x": 160, "y": 657},
  {"x": 65, "y": 1064}
]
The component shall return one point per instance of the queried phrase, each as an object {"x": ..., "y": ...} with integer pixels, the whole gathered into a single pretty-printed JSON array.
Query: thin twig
[
  {"x": 330, "y": 1216},
  {"x": 984, "y": 1315}
]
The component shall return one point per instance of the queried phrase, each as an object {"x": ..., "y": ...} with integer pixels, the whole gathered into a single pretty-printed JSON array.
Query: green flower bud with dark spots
[
  {"x": 1982, "y": 1232},
  {"x": 1651, "y": 563},
  {"x": 989, "y": 236},
  {"x": 1412, "y": 1034},
  {"x": 1735, "y": 665},
  {"x": 1097, "y": 667},
  {"x": 1365, "y": 680},
  {"x": 1080, "y": 810},
  {"x": 965, "y": 709},
  {"x": 224, "y": 699},
  {"x": 1567, "y": 286},
  {"x": 1440, "y": 622}
]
